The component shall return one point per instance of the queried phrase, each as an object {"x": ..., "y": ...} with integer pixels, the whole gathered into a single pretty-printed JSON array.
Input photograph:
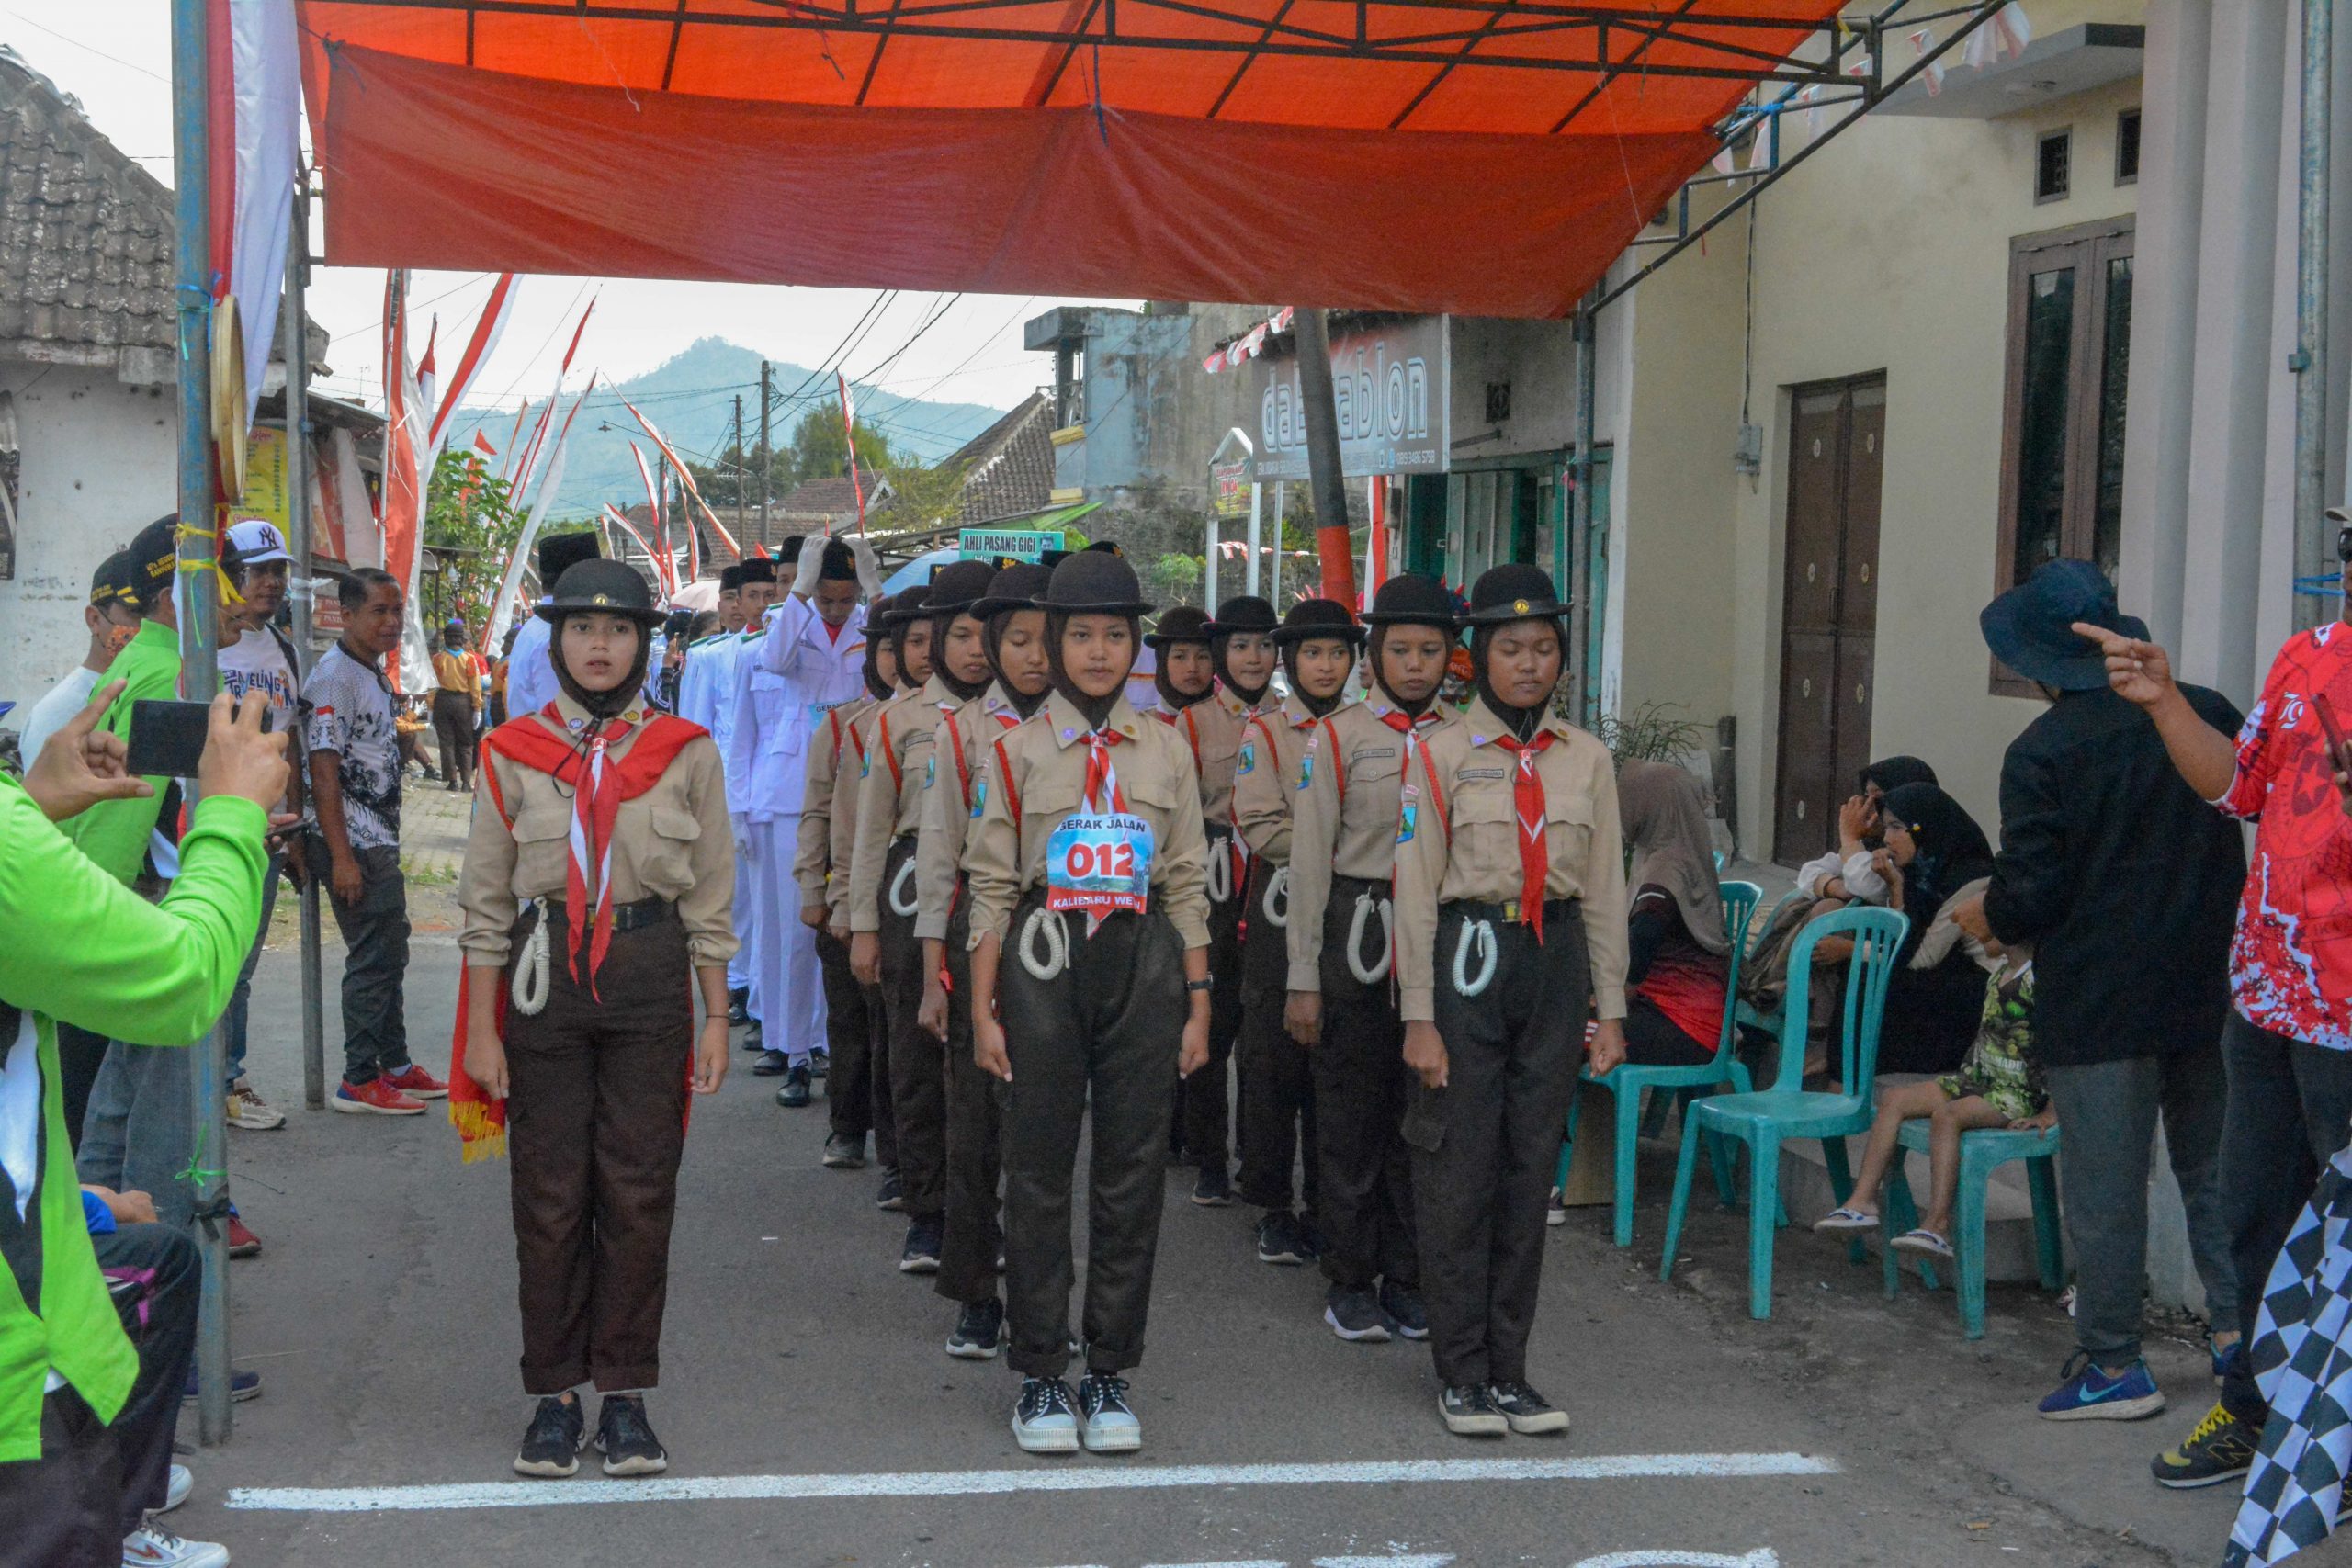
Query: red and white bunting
[
  {"x": 685, "y": 475},
  {"x": 256, "y": 98},
  {"x": 1249, "y": 345},
  {"x": 849, "y": 435}
]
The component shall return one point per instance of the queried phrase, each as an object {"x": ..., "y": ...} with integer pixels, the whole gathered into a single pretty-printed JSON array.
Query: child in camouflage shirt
[{"x": 1999, "y": 1085}]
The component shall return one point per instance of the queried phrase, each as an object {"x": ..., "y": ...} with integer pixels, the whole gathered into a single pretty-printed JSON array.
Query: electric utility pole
[{"x": 767, "y": 388}]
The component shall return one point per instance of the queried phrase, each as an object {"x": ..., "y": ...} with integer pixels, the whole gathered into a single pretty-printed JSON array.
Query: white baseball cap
[{"x": 257, "y": 540}]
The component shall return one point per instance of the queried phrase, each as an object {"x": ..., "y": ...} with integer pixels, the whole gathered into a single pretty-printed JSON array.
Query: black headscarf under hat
[
  {"x": 1315, "y": 620},
  {"x": 955, "y": 589},
  {"x": 1014, "y": 590},
  {"x": 1096, "y": 584},
  {"x": 1504, "y": 596},
  {"x": 1181, "y": 623},
  {"x": 877, "y": 637},
  {"x": 1247, "y": 614},
  {"x": 1951, "y": 848},
  {"x": 1407, "y": 599}
]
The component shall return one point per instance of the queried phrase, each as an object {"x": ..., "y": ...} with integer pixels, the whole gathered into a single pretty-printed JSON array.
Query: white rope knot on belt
[
  {"x": 528, "y": 994},
  {"x": 1481, "y": 932},
  {"x": 1045, "y": 924},
  {"x": 910, "y": 902},
  {"x": 1220, "y": 874},
  {"x": 1277, "y": 892},
  {"x": 1366, "y": 906}
]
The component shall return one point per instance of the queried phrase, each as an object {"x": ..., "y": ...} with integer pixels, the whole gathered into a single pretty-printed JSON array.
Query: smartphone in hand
[{"x": 166, "y": 737}]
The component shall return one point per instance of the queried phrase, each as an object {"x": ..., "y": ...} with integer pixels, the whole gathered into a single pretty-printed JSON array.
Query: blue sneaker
[
  {"x": 242, "y": 1386},
  {"x": 2222, "y": 1357},
  {"x": 2091, "y": 1394}
]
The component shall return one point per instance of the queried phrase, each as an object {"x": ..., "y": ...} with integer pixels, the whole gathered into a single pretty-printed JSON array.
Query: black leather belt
[{"x": 625, "y": 917}]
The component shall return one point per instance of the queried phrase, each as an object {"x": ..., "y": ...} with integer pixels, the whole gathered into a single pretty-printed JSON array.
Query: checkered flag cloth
[{"x": 2302, "y": 1359}]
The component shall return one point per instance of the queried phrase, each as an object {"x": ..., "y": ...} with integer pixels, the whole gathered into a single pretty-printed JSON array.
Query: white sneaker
[
  {"x": 1044, "y": 1422},
  {"x": 251, "y": 1111},
  {"x": 1111, "y": 1426},
  {"x": 176, "y": 1489},
  {"x": 153, "y": 1546}
]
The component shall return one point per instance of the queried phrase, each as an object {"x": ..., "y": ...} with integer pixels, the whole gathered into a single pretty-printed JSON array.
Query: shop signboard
[
  {"x": 1232, "y": 471},
  {"x": 1010, "y": 544},
  {"x": 1389, "y": 382}
]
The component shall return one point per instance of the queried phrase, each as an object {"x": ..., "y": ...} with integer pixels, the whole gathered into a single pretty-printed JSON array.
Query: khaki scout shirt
[
  {"x": 1343, "y": 820},
  {"x": 1463, "y": 843},
  {"x": 889, "y": 800},
  {"x": 1212, "y": 729},
  {"x": 1036, "y": 775},
  {"x": 670, "y": 842},
  {"x": 812, "y": 851},
  {"x": 951, "y": 798},
  {"x": 1267, "y": 775},
  {"x": 841, "y": 833}
]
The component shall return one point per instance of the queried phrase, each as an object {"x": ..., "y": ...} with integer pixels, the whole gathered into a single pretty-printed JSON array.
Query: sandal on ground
[
  {"x": 1923, "y": 1241},
  {"x": 1838, "y": 1220}
]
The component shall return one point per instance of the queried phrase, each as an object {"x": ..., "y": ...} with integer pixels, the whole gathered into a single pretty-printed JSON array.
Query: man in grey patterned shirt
[{"x": 347, "y": 719}]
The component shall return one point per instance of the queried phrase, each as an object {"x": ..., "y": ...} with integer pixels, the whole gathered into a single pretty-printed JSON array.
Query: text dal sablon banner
[{"x": 1390, "y": 384}]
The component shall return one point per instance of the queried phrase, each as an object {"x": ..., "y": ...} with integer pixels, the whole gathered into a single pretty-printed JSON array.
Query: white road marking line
[
  {"x": 999, "y": 1483},
  {"x": 1239, "y": 1563},
  {"x": 1762, "y": 1557},
  {"x": 1425, "y": 1560}
]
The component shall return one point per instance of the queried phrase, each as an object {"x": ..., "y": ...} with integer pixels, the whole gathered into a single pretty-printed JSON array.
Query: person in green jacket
[{"x": 86, "y": 948}]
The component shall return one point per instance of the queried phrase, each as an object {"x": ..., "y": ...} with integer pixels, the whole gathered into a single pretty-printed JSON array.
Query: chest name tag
[{"x": 1098, "y": 863}]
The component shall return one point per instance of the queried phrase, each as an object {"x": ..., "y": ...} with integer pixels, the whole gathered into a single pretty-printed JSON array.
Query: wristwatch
[{"x": 1199, "y": 985}]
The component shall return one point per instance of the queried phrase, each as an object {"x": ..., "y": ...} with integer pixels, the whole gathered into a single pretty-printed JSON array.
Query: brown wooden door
[{"x": 1829, "y": 607}]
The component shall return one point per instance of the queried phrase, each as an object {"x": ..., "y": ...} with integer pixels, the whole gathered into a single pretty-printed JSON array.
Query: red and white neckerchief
[
  {"x": 1527, "y": 796},
  {"x": 595, "y": 805},
  {"x": 1103, "y": 792}
]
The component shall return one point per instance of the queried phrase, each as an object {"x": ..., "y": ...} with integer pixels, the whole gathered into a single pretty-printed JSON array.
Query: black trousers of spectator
[
  {"x": 2290, "y": 1103},
  {"x": 1205, "y": 1100},
  {"x": 80, "y": 1054},
  {"x": 375, "y": 964},
  {"x": 857, "y": 1086},
  {"x": 918, "y": 1060},
  {"x": 1277, "y": 1077},
  {"x": 1100, "y": 1039},
  {"x": 974, "y": 1140},
  {"x": 1365, "y": 1202},
  {"x": 64, "y": 1509},
  {"x": 453, "y": 727},
  {"x": 156, "y": 1276},
  {"x": 1485, "y": 1145}
]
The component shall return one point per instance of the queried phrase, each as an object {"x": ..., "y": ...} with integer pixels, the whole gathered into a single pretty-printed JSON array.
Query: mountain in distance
[{"x": 691, "y": 400}]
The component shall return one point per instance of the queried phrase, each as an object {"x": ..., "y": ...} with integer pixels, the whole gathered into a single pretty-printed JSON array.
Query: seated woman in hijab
[
  {"x": 1934, "y": 849},
  {"x": 1677, "y": 956},
  {"x": 1850, "y": 872}
]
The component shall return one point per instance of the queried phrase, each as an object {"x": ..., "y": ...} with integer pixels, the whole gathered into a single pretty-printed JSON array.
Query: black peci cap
[
  {"x": 561, "y": 552},
  {"x": 1018, "y": 586},
  {"x": 759, "y": 569},
  {"x": 1506, "y": 593},
  {"x": 730, "y": 579},
  {"x": 1094, "y": 582},
  {"x": 1181, "y": 623},
  {"x": 788, "y": 553},
  {"x": 606, "y": 585},
  {"x": 1411, "y": 599},
  {"x": 1312, "y": 619},
  {"x": 1247, "y": 614}
]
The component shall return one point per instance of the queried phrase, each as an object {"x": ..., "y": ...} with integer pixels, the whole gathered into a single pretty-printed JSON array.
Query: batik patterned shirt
[{"x": 348, "y": 709}]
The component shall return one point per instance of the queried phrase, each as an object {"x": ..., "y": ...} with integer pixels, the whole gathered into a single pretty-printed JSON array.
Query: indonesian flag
[
  {"x": 481, "y": 445},
  {"x": 254, "y": 95},
  {"x": 407, "y": 463}
]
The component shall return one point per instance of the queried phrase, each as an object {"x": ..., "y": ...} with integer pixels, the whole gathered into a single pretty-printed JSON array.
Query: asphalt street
[{"x": 813, "y": 1418}]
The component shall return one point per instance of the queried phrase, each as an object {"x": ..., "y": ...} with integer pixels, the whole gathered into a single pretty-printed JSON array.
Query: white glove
[
  {"x": 869, "y": 572},
  {"x": 811, "y": 562}
]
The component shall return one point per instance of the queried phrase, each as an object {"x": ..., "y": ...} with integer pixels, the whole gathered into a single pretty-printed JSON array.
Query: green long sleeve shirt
[
  {"x": 115, "y": 834},
  {"x": 85, "y": 949}
]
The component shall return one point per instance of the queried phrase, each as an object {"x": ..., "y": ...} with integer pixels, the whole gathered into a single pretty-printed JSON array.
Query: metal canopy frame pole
[
  {"x": 1580, "y": 524},
  {"x": 2315, "y": 556},
  {"x": 1257, "y": 517},
  {"x": 293, "y": 334},
  {"x": 199, "y": 599}
]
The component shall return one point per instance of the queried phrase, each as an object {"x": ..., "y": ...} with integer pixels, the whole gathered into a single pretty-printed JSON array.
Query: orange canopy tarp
[{"x": 706, "y": 138}]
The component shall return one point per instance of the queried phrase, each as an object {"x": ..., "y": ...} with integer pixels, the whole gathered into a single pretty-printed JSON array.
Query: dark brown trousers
[
  {"x": 595, "y": 1122},
  {"x": 975, "y": 1153},
  {"x": 857, "y": 1088},
  {"x": 1277, "y": 1098},
  {"x": 918, "y": 1064},
  {"x": 1365, "y": 1203},
  {"x": 1205, "y": 1100}
]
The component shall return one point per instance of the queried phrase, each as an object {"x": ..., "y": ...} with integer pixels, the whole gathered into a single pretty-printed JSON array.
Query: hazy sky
[{"x": 115, "y": 56}]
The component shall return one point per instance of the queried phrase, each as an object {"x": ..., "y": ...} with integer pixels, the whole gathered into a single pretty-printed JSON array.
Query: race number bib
[{"x": 1098, "y": 863}]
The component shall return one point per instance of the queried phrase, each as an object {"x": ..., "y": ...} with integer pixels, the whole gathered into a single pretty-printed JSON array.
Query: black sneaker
[
  {"x": 1404, "y": 1307},
  {"x": 921, "y": 1254},
  {"x": 1111, "y": 1426},
  {"x": 552, "y": 1447},
  {"x": 891, "y": 1195},
  {"x": 980, "y": 1332},
  {"x": 844, "y": 1153},
  {"x": 794, "y": 1092},
  {"x": 1045, "y": 1419},
  {"x": 1214, "y": 1189},
  {"x": 1310, "y": 1236},
  {"x": 1469, "y": 1411},
  {"x": 625, "y": 1439},
  {"x": 737, "y": 1001},
  {"x": 1355, "y": 1315},
  {"x": 1528, "y": 1412},
  {"x": 1279, "y": 1241},
  {"x": 771, "y": 1064},
  {"x": 2219, "y": 1449},
  {"x": 752, "y": 1037},
  {"x": 821, "y": 1062}
]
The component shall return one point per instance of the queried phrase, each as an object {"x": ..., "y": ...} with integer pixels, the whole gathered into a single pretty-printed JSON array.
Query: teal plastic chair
[
  {"x": 1627, "y": 1081},
  {"x": 1745, "y": 1014},
  {"x": 1766, "y": 1119},
  {"x": 1981, "y": 1153}
]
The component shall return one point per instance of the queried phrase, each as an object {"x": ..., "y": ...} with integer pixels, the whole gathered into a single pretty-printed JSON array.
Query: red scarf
[
  {"x": 1102, "y": 791},
  {"x": 480, "y": 1119},
  {"x": 1527, "y": 796}
]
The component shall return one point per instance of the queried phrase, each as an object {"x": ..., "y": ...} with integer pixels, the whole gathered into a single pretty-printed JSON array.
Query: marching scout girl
[
  {"x": 1511, "y": 934},
  {"x": 1090, "y": 984},
  {"x": 1342, "y": 865},
  {"x": 883, "y": 952},
  {"x": 1010, "y": 631},
  {"x": 1184, "y": 676},
  {"x": 882, "y": 679},
  {"x": 1317, "y": 646},
  {"x": 850, "y": 1089},
  {"x": 596, "y": 894}
]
